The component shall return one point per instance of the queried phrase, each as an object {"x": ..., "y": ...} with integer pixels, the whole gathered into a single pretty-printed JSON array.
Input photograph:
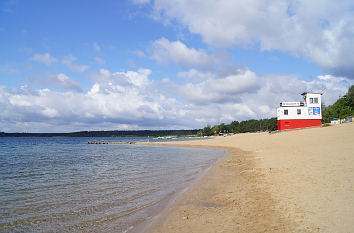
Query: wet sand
[{"x": 294, "y": 181}]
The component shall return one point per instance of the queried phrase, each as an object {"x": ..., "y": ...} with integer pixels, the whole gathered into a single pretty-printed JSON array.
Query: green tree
[
  {"x": 223, "y": 128},
  {"x": 350, "y": 97},
  {"x": 234, "y": 127},
  {"x": 215, "y": 129},
  {"x": 207, "y": 131},
  {"x": 272, "y": 124},
  {"x": 342, "y": 108}
]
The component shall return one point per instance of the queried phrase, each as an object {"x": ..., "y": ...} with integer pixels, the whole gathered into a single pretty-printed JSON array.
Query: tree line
[
  {"x": 115, "y": 133},
  {"x": 241, "y": 127},
  {"x": 342, "y": 108}
]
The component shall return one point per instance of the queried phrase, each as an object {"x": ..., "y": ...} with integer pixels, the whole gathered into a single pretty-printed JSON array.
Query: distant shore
[
  {"x": 294, "y": 181},
  {"x": 110, "y": 133}
]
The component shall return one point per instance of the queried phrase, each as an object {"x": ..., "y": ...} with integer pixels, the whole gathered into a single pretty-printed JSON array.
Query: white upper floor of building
[{"x": 310, "y": 108}]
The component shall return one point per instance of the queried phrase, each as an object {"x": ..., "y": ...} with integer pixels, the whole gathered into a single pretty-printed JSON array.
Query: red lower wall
[{"x": 296, "y": 124}]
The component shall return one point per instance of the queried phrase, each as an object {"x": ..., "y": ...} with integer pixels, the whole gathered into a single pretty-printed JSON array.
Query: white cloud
[
  {"x": 49, "y": 112},
  {"x": 220, "y": 89},
  {"x": 60, "y": 80},
  {"x": 332, "y": 87},
  {"x": 320, "y": 30},
  {"x": 63, "y": 81},
  {"x": 118, "y": 98},
  {"x": 68, "y": 61},
  {"x": 132, "y": 99},
  {"x": 122, "y": 80},
  {"x": 165, "y": 51},
  {"x": 45, "y": 58}
]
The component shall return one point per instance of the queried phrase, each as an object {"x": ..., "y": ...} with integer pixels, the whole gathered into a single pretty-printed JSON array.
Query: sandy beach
[{"x": 294, "y": 181}]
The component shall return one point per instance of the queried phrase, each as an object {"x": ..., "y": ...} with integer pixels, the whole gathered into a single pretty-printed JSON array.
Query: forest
[{"x": 241, "y": 127}]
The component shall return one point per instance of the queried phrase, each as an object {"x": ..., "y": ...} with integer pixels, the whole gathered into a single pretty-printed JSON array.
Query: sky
[{"x": 167, "y": 64}]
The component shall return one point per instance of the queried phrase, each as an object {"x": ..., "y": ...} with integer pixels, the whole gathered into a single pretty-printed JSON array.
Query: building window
[
  {"x": 311, "y": 100},
  {"x": 285, "y": 112},
  {"x": 315, "y": 100},
  {"x": 299, "y": 112}
]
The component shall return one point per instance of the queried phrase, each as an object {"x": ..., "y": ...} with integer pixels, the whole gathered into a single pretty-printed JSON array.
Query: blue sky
[{"x": 156, "y": 64}]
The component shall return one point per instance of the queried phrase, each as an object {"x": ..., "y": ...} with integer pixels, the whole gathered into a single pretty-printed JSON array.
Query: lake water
[{"x": 65, "y": 185}]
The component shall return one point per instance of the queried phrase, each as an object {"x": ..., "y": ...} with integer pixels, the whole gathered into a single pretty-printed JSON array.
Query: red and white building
[{"x": 294, "y": 115}]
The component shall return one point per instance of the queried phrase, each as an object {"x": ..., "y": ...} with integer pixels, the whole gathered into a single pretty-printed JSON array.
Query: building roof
[{"x": 311, "y": 93}]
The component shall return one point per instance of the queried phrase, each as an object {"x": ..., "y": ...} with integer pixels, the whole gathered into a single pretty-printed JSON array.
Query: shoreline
[
  {"x": 158, "y": 213},
  {"x": 296, "y": 181},
  {"x": 210, "y": 205}
]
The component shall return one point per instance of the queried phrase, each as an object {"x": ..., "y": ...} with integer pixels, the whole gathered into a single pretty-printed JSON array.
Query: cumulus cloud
[
  {"x": 68, "y": 61},
  {"x": 45, "y": 58},
  {"x": 332, "y": 87},
  {"x": 63, "y": 81},
  {"x": 118, "y": 100},
  {"x": 60, "y": 80},
  {"x": 220, "y": 90},
  {"x": 321, "y": 31},
  {"x": 164, "y": 51},
  {"x": 115, "y": 99}
]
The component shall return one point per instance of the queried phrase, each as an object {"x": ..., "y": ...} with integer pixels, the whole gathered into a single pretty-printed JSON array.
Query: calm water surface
[{"x": 64, "y": 185}]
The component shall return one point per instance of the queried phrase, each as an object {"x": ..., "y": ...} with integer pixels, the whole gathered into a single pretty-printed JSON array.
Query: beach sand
[{"x": 293, "y": 181}]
